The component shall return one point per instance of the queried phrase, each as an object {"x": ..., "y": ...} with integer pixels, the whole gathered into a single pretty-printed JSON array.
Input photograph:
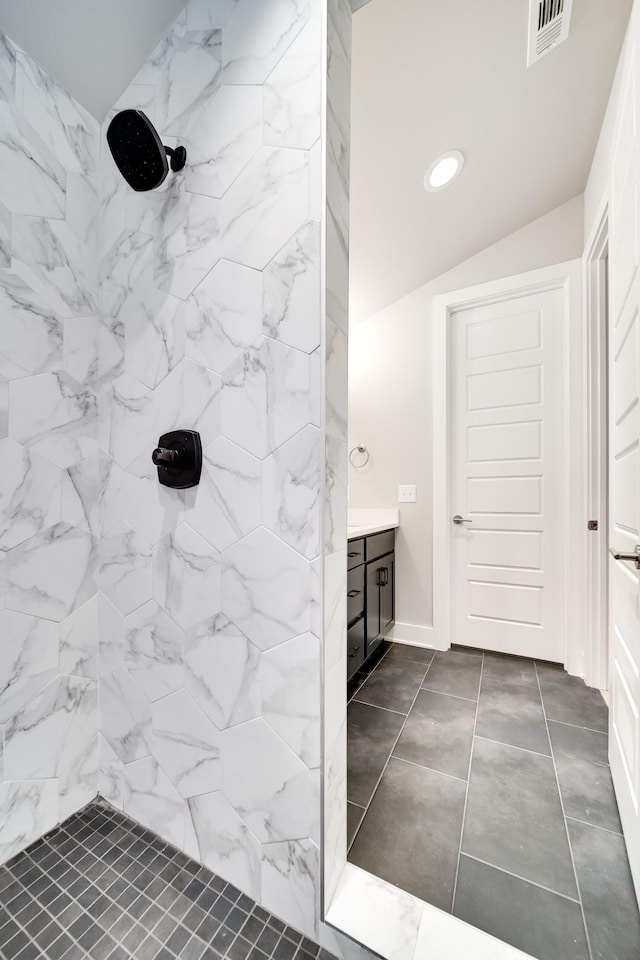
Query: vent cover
[{"x": 549, "y": 22}]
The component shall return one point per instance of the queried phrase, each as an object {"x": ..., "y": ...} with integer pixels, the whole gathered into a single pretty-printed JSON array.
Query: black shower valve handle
[{"x": 162, "y": 456}]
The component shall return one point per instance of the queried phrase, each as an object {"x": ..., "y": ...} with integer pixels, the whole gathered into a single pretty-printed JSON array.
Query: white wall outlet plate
[{"x": 407, "y": 493}]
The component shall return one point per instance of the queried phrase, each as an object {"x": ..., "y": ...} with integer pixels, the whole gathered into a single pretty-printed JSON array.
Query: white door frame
[
  {"x": 567, "y": 277},
  {"x": 596, "y": 310}
]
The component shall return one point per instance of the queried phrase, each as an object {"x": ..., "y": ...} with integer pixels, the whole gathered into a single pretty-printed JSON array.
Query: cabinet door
[
  {"x": 373, "y": 606},
  {"x": 387, "y": 594}
]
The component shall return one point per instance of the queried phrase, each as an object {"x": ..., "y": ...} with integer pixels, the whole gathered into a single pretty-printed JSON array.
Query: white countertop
[{"x": 361, "y": 522}]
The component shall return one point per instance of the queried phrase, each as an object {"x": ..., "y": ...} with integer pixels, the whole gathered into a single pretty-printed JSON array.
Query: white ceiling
[
  {"x": 431, "y": 76},
  {"x": 92, "y": 47}
]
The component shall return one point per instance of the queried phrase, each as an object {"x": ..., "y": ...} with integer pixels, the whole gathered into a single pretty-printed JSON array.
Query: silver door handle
[
  {"x": 634, "y": 557},
  {"x": 458, "y": 520}
]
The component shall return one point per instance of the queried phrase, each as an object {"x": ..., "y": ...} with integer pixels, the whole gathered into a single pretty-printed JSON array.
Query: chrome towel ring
[{"x": 364, "y": 459}]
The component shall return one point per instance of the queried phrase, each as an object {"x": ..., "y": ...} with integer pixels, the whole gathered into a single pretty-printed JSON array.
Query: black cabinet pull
[
  {"x": 356, "y": 553},
  {"x": 352, "y": 655},
  {"x": 383, "y": 577},
  {"x": 353, "y": 593}
]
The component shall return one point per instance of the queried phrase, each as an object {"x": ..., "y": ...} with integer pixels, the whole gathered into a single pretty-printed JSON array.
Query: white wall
[{"x": 390, "y": 396}]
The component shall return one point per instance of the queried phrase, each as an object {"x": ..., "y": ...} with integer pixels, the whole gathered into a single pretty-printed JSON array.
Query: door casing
[{"x": 567, "y": 277}]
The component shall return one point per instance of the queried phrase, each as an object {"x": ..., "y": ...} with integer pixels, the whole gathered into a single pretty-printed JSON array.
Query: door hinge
[{"x": 592, "y": 525}]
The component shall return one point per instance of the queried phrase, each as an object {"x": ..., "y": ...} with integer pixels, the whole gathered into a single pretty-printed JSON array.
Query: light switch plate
[{"x": 407, "y": 493}]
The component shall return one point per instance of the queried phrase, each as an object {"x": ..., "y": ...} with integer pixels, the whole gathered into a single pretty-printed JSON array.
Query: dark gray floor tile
[
  {"x": 541, "y": 923},
  {"x": 405, "y": 651},
  {"x": 456, "y": 672},
  {"x": 584, "y": 775},
  {"x": 354, "y": 817},
  {"x": 393, "y": 685},
  {"x": 371, "y": 734},
  {"x": 514, "y": 817},
  {"x": 411, "y": 833},
  {"x": 569, "y": 700},
  {"x": 606, "y": 888},
  {"x": 438, "y": 733},
  {"x": 510, "y": 707}
]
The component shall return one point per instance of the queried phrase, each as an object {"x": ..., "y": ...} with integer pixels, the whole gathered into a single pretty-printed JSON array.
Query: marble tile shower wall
[
  {"x": 210, "y": 319},
  {"x": 49, "y": 151}
]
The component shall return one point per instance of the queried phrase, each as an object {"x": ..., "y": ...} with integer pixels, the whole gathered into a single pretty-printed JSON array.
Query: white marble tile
[
  {"x": 223, "y": 140},
  {"x": 267, "y": 784},
  {"x": 83, "y": 208},
  {"x": 337, "y": 269},
  {"x": 316, "y": 178},
  {"x": 335, "y": 835},
  {"x": 335, "y": 608},
  {"x": 316, "y": 607},
  {"x": 291, "y": 884},
  {"x": 33, "y": 181},
  {"x": 111, "y": 626},
  {"x": 291, "y": 492},
  {"x": 316, "y": 388},
  {"x": 222, "y": 317},
  {"x": 186, "y": 228},
  {"x": 153, "y": 332},
  {"x": 56, "y": 263},
  {"x": 152, "y": 800},
  {"x": 80, "y": 349},
  {"x": 188, "y": 81},
  {"x": 80, "y": 495},
  {"x": 160, "y": 57},
  {"x": 153, "y": 509},
  {"x": 222, "y": 672},
  {"x": 8, "y": 73},
  {"x": 28, "y": 659},
  {"x": 292, "y": 113},
  {"x": 335, "y": 495},
  {"x": 29, "y": 810},
  {"x": 52, "y": 573},
  {"x": 448, "y": 938},
  {"x": 79, "y": 641},
  {"x": 291, "y": 302},
  {"x": 113, "y": 216},
  {"x": 5, "y": 233},
  {"x": 154, "y": 651},
  {"x": 257, "y": 35},
  {"x": 70, "y": 132},
  {"x": 125, "y": 717},
  {"x": 78, "y": 784},
  {"x": 186, "y": 576},
  {"x": 186, "y": 745},
  {"x": 266, "y": 589},
  {"x": 337, "y": 379},
  {"x": 121, "y": 268},
  {"x": 291, "y": 694},
  {"x": 44, "y": 737},
  {"x": 110, "y": 775},
  {"x": 204, "y": 15},
  {"x": 30, "y": 498},
  {"x": 111, "y": 502},
  {"x": 265, "y": 397},
  {"x": 218, "y": 838},
  {"x": 189, "y": 398},
  {"x": 265, "y": 206},
  {"x": 335, "y": 725},
  {"x": 30, "y": 331},
  {"x": 131, "y": 421},
  {"x": 4, "y": 407},
  {"x": 125, "y": 568},
  {"x": 56, "y": 416},
  {"x": 227, "y": 503},
  {"x": 377, "y": 914}
]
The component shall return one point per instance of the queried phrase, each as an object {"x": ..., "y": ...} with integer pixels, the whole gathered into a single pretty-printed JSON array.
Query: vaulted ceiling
[{"x": 431, "y": 76}]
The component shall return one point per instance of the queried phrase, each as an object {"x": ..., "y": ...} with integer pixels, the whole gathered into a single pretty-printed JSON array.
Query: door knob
[
  {"x": 458, "y": 520},
  {"x": 634, "y": 557}
]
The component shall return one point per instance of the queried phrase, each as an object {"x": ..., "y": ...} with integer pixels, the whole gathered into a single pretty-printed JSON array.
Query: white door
[
  {"x": 506, "y": 469},
  {"x": 624, "y": 473}
]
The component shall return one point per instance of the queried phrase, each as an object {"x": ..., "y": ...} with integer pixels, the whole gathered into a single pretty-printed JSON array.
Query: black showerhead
[{"x": 138, "y": 152}]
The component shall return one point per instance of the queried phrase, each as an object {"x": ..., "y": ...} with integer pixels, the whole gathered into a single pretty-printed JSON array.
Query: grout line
[
  {"x": 377, "y": 706},
  {"x": 517, "y": 876},
  {"x": 466, "y": 795},
  {"x": 614, "y": 833},
  {"x": 395, "y": 742},
  {"x": 514, "y": 746},
  {"x": 576, "y": 726},
  {"x": 564, "y": 817},
  {"x": 453, "y": 695},
  {"x": 422, "y": 766},
  {"x": 370, "y": 674}
]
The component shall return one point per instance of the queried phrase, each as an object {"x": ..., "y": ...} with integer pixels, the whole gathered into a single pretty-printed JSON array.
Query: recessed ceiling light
[{"x": 443, "y": 171}]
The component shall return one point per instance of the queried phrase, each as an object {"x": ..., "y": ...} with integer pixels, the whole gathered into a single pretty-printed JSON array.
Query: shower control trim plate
[{"x": 178, "y": 458}]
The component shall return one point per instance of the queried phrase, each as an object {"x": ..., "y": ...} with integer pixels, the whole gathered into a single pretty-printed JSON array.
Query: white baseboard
[{"x": 413, "y": 634}]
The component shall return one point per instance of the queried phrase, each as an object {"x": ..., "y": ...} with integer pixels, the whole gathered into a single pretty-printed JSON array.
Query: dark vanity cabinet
[{"x": 370, "y": 595}]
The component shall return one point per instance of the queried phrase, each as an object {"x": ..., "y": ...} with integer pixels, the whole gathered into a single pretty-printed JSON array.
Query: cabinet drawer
[
  {"x": 355, "y": 647},
  {"x": 355, "y": 593},
  {"x": 355, "y": 553},
  {"x": 379, "y": 544}
]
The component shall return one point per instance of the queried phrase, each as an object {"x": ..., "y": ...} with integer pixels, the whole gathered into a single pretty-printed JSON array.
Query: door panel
[
  {"x": 624, "y": 471},
  {"x": 507, "y": 418}
]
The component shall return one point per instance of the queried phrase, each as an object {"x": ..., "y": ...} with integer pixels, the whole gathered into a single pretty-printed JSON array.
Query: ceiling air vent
[{"x": 549, "y": 22}]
